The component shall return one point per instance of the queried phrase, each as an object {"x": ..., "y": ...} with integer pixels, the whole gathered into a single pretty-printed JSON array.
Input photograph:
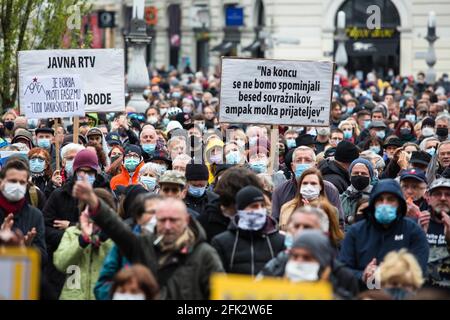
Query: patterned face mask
[{"x": 252, "y": 220}]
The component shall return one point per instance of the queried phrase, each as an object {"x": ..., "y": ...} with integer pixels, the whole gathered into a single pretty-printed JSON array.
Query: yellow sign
[
  {"x": 365, "y": 33},
  {"x": 240, "y": 287},
  {"x": 19, "y": 273}
]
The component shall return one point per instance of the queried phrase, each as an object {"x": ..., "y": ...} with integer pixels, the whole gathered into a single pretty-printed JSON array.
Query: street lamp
[
  {"x": 137, "y": 38},
  {"x": 341, "y": 54},
  {"x": 203, "y": 18},
  {"x": 430, "y": 57}
]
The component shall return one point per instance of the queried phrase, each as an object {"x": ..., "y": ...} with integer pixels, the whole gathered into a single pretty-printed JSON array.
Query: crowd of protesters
[{"x": 150, "y": 205}]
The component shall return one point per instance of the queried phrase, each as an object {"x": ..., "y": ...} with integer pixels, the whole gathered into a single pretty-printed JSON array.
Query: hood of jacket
[
  {"x": 331, "y": 167},
  {"x": 386, "y": 186}
]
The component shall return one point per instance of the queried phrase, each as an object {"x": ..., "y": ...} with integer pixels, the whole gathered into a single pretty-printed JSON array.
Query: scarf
[
  {"x": 11, "y": 207},
  {"x": 182, "y": 244}
]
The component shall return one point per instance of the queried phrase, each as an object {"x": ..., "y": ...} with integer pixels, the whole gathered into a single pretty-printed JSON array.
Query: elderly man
[
  {"x": 177, "y": 252},
  {"x": 437, "y": 227},
  {"x": 302, "y": 159},
  {"x": 180, "y": 162},
  {"x": 147, "y": 139}
]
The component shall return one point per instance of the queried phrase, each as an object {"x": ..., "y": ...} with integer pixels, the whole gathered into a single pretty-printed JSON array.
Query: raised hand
[
  {"x": 29, "y": 237},
  {"x": 86, "y": 226},
  {"x": 82, "y": 190},
  {"x": 8, "y": 222}
]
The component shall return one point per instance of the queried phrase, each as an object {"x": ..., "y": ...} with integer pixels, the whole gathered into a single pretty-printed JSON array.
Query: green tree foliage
[{"x": 36, "y": 24}]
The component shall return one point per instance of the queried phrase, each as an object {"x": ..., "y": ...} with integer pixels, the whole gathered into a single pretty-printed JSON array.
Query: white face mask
[
  {"x": 14, "y": 191},
  {"x": 150, "y": 226},
  {"x": 310, "y": 192},
  {"x": 302, "y": 271},
  {"x": 128, "y": 296},
  {"x": 427, "y": 132}
]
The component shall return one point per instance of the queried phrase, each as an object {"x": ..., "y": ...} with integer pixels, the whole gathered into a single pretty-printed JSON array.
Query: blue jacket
[{"x": 368, "y": 239}]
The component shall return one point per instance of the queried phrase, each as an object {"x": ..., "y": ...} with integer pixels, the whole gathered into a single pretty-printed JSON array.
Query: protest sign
[
  {"x": 19, "y": 273},
  {"x": 279, "y": 92},
  {"x": 101, "y": 72},
  {"x": 240, "y": 287},
  {"x": 52, "y": 96}
]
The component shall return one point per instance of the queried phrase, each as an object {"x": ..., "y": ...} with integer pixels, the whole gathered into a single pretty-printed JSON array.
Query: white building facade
[{"x": 197, "y": 32}]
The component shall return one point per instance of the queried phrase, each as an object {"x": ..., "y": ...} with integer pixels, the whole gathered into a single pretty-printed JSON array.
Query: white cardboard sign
[
  {"x": 278, "y": 92},
  {"x": 101, "y": 72}
]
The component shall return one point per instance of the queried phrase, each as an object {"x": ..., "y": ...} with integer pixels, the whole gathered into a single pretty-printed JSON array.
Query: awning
[
  {"x": 223, "y": 47},
  {"x": 255, "y": 45}
]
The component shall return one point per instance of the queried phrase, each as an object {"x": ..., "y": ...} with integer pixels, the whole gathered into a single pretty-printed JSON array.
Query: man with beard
[{"x": 437, "y": 226}]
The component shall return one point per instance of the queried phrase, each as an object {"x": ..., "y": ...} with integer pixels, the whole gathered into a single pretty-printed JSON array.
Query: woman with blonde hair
[
  {"x": 311, "y": 192},
  {"x": 400, "y": 274}
]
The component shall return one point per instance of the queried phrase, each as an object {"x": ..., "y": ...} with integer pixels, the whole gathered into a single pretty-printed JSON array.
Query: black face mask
[
  {"x": 405, "y": 131},
  {"x": 360, "y": 182},
  {"x": 442, "y": 132},
  {"x": 9, "y": 125}
]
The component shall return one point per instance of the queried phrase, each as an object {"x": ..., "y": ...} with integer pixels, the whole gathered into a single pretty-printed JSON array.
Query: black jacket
[
  {"x": 212, "y": 219},
  {"x": 199, "y": 204},
  {"x": 345, "y": 285},
  {"x": 183, "y": 275},
  {"x": 247, "y": 252},
  {"x": 27, "y": 219},
  {"x": 335, "y": 174}
]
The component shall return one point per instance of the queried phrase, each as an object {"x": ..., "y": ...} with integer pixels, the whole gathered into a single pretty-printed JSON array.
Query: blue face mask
[
  {"x": 258, "y": 166},
  {"x": 347, "y": 134},
  {"x": 381, "y": 134},
  {"x": 233, "y": 157},
  {"x": 43, "y": 143},
  {"x": 385, "y": 213},
  {"x": 196, "y": 192},
  {"x": 350, "y": 110},
  {"x": 131, "y": 164},
  {"x": 288, "y": 240},
  {"x": 91, "y": 179},
  {"x": 149, "y": 182},
  {"x": 375, "y": 149},
  {"x": 431, "y": 151},
  {"x": 165, "y": 122},
  {"x": 252, "y": 141},
  {"x": 148, "y": 147},
  {"x": 300, "y": 167},
  {"x": 367, "y": 123},
  {"x": 411, "y": 117},
  {"x": 291, "y": 143},
  {"x": 69, "y": 167},
  {"x": 37, "y": 165}
]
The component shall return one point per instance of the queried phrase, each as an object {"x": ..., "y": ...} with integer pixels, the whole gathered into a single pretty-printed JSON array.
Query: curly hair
[{"x": 233, "y": 180}]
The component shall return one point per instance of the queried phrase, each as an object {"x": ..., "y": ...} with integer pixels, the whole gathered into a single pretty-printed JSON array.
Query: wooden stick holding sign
[
  {"x": 57, "y": 145},
  {"x": 273, "y": 150},
  {"x": 76, "y": 129}
]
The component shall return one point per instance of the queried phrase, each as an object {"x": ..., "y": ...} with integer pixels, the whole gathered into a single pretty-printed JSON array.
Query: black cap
[
  {"x": 346, "y": 152},
  {"x": 113, "y": 138},
  {"x": 393, "y": 141},
  {"x": 428, "y": 122},
  {"x": 330, "y": 152},
  {"x": 196, "y": 172},
  {"x": 133, "y": 148},
  {"x": 416, "y": 174},
  {"x": 44, "y": 130},
  {"x": 420, "y": 157},
  {"x": 247, "y": 196},
  {"x": 305, "y": 140}
]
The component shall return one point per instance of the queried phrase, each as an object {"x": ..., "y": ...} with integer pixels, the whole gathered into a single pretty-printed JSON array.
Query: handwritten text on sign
[
  {"x": 101, "y": 72},
  {"x": 276, "y": 92},
  {"x": 52, "y": 96}
]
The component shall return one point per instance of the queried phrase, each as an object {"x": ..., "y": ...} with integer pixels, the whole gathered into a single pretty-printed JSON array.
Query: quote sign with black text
[{"x": 278, "y": 92}]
